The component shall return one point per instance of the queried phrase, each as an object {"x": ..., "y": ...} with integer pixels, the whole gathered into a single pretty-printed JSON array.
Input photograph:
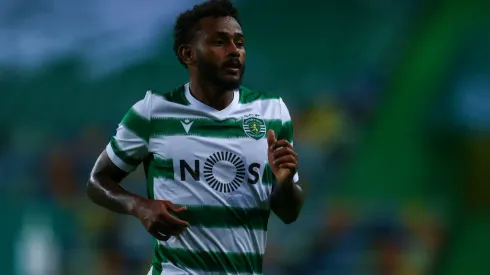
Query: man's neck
[{"x": 211, "y": 96}]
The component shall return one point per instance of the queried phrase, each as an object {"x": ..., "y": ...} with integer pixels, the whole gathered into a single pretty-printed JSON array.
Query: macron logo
[{"x": 187, "y": 125}]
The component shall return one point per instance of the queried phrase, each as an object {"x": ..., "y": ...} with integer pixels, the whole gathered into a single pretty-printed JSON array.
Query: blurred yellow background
[{"x": 391, "y": 107}]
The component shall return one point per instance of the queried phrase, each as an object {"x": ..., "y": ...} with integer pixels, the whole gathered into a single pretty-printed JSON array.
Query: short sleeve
[
  {"x": 286, "y": 131},
  {"x": 129, "y": 146}
]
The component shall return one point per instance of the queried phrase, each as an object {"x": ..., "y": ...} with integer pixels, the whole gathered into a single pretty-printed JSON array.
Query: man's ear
[{"x": 187, "y": 54}]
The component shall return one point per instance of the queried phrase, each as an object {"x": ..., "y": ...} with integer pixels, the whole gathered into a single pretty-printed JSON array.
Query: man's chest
[
  {"x": 216, "y": 161},
  {"x": 231, "y": 150},
  {"x": 214, "y": 171}
]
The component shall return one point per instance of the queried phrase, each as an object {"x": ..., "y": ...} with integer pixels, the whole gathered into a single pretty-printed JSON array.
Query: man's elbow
[
  {"x": 288, "y": 217},
  {"x": 91, "y": 189},
  {"x": 289, "y": 220}
]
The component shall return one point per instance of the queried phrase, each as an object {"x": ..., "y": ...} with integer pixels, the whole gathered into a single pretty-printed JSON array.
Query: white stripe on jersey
[{"x": 230, "y": 240}]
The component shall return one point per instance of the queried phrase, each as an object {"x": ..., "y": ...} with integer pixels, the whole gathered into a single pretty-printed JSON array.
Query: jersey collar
[{"x": 208, "y": 109}]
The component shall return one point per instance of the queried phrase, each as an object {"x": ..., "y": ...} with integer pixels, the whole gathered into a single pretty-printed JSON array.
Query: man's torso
[{"x": 215, "y": 163}]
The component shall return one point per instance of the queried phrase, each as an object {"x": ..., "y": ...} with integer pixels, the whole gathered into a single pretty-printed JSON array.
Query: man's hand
[
  {"x": 282, "y": 158},
  {"x": 155, "y": 216},
  {"x": 287, "y": 198}
]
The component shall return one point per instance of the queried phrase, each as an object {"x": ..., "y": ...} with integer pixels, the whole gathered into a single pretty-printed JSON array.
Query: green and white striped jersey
[{"x": 215, "y": 163}]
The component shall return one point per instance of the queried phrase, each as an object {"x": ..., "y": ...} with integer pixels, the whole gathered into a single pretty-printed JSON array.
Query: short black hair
[{"x": 188, "y": 22}]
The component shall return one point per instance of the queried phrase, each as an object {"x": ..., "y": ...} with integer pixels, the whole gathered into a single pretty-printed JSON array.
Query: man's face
[{"x": 220, "y": 52}]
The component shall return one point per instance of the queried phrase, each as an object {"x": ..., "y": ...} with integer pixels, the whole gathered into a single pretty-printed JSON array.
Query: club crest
[{"x": 254, "y": 126}]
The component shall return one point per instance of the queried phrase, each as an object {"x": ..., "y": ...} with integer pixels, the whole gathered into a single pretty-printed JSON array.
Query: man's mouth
[{"x": 233, "y": 67}]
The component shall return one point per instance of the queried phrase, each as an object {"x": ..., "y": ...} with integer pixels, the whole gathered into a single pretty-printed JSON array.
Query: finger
[
  {"x": 163, "y": 228},
  {"x": 285, "y": 159},
  {"x": 283, "y": 152},
  {"x": 282, "y": 143},
  {"x": 271, "y": 138},
  {"x": 160, "y": 236},
  {"x": 156, "y": 231},
  {"x": 168, "y": 218},
  {"x": 174, "y": 207},
  {"x": 289, "y": 165},
  {"x": 171, "y": 230}
]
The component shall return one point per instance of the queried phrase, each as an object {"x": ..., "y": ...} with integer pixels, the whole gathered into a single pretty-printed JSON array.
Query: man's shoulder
[
  {"x": 176, "y": 95},
  {"x": 248, "y": 95}
]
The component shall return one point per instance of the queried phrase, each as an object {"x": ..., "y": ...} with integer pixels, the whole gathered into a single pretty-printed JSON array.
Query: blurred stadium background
[{"x": 391, "y": 101}]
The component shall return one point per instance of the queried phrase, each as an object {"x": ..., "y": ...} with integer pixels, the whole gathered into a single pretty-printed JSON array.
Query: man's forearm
[
  {"x": 103, "y": 187},
  {"x": 287, "y": 201},
  {"x": 111, "y": 195}
]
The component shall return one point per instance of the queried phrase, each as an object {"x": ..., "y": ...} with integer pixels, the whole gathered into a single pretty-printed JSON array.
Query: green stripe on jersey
[
  {"x": 157, "y": 261},
  {"x": 176, "y": 96},
  {"x": 150, "y": 178},
  {"x": 228, "y": 128},
  {"x": 248, "y": 96},
  {"x": 226, "y": 262},
  {"x": 157, "y": 168},
  {"x": 286, "y": 131},
  {"x": 268, "y": 177},
  {"x": 122, "y": 154},
  {"x": 161, "y": 168},
  {"x": 225, "y": 217},
  {"x": 137, "y": 124}
]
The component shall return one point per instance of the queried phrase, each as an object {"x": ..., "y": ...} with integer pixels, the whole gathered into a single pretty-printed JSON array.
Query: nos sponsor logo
[{"x": 222, "y": 171}]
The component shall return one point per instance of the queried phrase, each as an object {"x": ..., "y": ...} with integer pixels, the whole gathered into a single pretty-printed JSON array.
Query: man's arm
[
  {"x": 122, "y": 155},
  {"x": 125, "y": 151},
  {"x": 286, "y": 201},
  {"x": 287, "y": 196},
  {"x": 104, "y": 188}
]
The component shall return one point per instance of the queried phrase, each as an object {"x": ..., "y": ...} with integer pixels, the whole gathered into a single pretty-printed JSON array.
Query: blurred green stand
[{"x": 396, "y": 161}]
